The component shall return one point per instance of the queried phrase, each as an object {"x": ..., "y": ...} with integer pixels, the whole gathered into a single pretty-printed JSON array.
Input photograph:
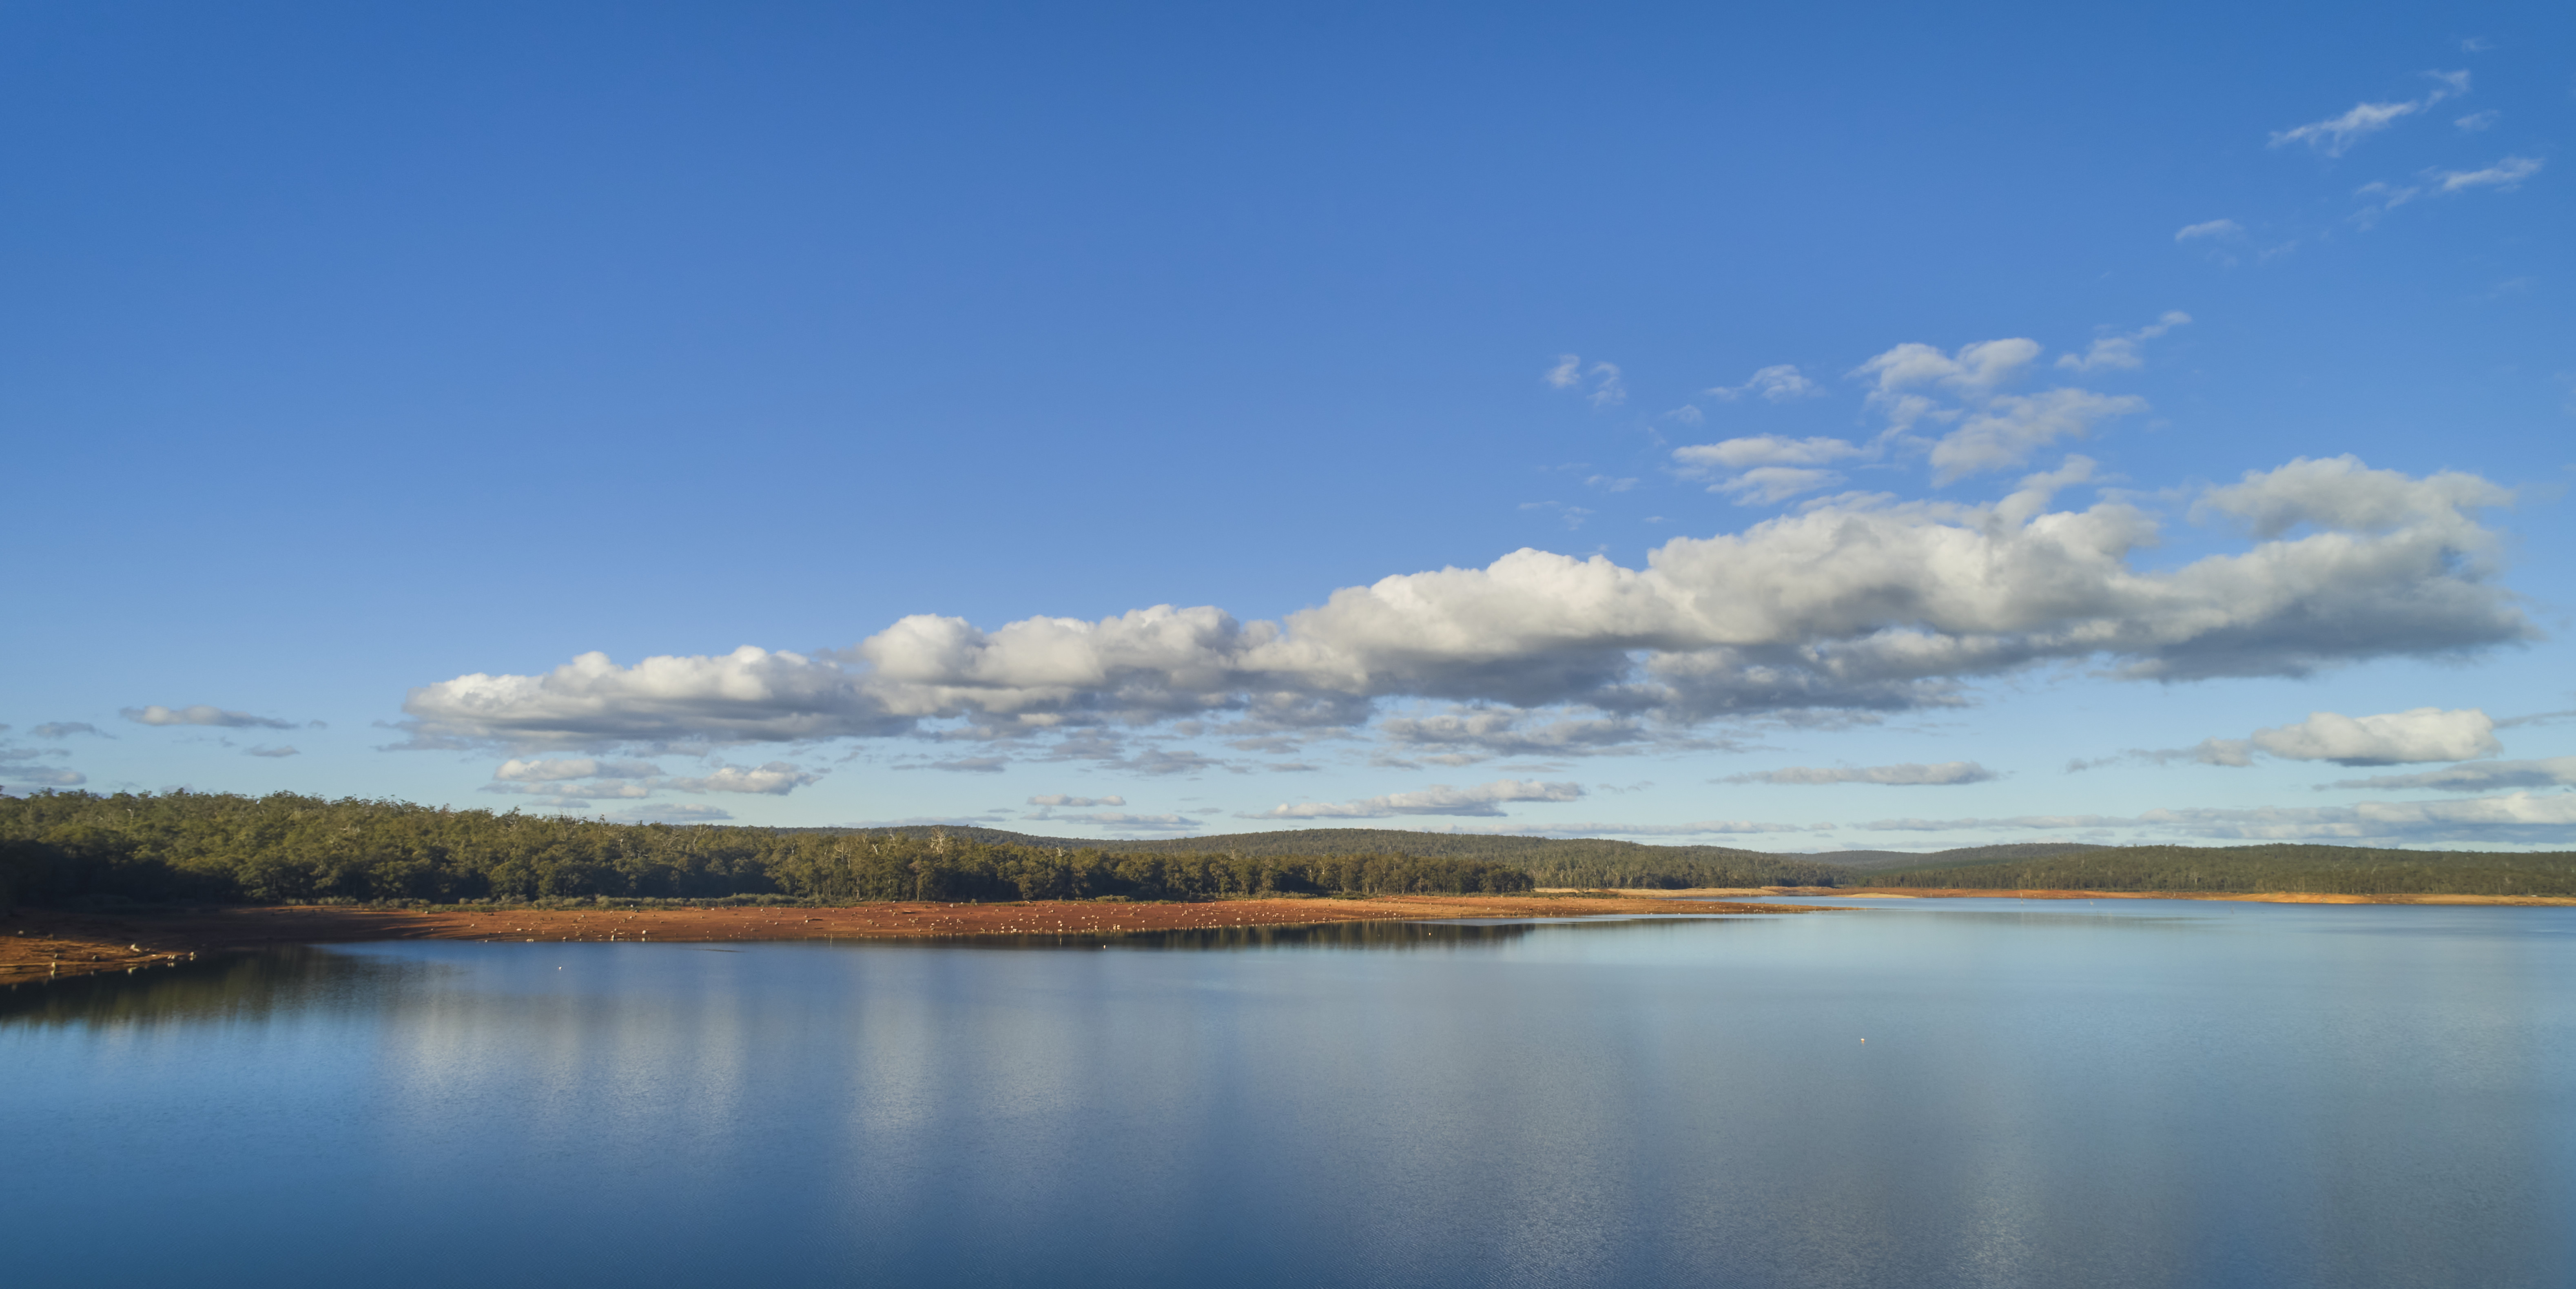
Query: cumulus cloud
[
  {"x": 2122, "y": 352},
  {"x": 2394, "y": 738},
  {"x": 1774, "y": 468},
  {"x": 65, "y": 729},
  {"x": 201, "y": 714},
  {"x": 1991, "y": 430},
  {"x": 1439, "y": 799},
  {"x": 1941, "y": 774},
  {"x": 2491, "y": 776},
  {"x": 1852, "y": 605},
  {"x": 2336, "y": 135},
  {"x": 2220, "y": 229},
  {"x": 1056, "y": 800},
  {"x": 1777, "y": 384}
]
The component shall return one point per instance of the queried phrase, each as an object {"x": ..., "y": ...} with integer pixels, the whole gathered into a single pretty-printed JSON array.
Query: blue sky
[{"x": 1800, "y": 429}]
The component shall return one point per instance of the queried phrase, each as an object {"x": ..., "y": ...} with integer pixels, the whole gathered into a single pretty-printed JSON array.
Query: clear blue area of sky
[{"x": 350, "y": 349}]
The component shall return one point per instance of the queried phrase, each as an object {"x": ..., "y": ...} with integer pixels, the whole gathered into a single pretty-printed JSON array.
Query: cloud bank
[
  {"x": 1944, "y": 774},
  {"x": 201, "y": 714},
  {"x": 1440, "y": 799},
  {"x": 1858, "y": 605}
]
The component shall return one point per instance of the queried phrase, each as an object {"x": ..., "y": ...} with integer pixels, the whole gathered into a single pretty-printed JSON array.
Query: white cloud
[
  {"x": 2222, "y": 229},
  {"x": 554, "y": 770},
  {"x": 776, "y": 779},
  {"x": 1132, "y": 823},
  {"x": 2005, "y": 432},
  {"x": 65, "y": 729},
  {"x": 1993, "y": 430},
  {"x": 2503, "y": 176},
  {"x": 2335, "y": 136},
  {"x": 2490, "y": 776},
  {"x": 1699, "y": 828},
  {"x": 1854, "y": 604},
  {"x": 1440, "y": 799},
  {"x": 1776, "y": 466},
  {"x": 1607, "y": 388},
  {"x": 1486, "y": 732},
  {"x": 2393, "y": 738},
  {"x": 1777, "y": 384},
  {"x": 1774, "y": 483},
  {"x": 2476, "y": 121},
  {"x": 1059, "y": 799},
  {"x": 1761, "y": 450},
  {"x": 2340, "y": 494},
  {"x": 1942, "y": 774},
  {"x": 2121, "y": 352},
  {"x": 1975, "y": 370},
  {"x": 201, "y": 714}
]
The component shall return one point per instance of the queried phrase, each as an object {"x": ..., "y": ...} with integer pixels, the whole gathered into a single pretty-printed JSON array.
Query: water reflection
[{"x": 2043, "y": 1098}]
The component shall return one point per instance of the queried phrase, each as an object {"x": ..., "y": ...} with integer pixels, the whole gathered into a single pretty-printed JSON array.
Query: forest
[
  {"x": 188, "y": 847},
  {"x": 1590, "y": 862},
  {"x": 2297, "y": 869}
]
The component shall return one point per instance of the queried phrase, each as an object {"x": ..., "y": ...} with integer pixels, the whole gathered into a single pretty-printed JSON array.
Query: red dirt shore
[{"x": 39, "y": 944}]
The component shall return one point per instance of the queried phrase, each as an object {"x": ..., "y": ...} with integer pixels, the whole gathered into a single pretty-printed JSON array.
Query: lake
[{"x": 1933, "y": 1093}]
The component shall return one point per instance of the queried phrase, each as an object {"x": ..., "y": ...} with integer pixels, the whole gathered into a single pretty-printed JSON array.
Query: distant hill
[
  {"x": 1878, "y": 859},
  {"x": 2315, "y": 870}
]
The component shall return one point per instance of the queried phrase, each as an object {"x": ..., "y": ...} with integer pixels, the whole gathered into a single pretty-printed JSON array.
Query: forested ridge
[
  {"x": 185, "y": 847},
  {"x": 2298, "y": 869},
  {"x": 1590, "y": 862}
]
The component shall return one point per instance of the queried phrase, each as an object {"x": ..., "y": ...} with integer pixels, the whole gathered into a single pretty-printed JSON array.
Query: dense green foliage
[
  {"x": 2309, "y": 870},
  {"x": 1585, "y": 862},
  {"x": 204, "y": 847},
  {"x": 215, "y": 848}
]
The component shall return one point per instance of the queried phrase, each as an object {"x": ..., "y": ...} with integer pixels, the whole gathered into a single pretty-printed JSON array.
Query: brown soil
[{"x": 37, "y": 944}]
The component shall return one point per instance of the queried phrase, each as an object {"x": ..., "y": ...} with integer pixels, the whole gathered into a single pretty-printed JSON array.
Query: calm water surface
[{"x": 2050, "y": 1094}]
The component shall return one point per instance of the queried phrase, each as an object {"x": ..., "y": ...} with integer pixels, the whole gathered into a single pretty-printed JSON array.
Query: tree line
[
  {"x": 2289, "y": 868},
  {"x": 188, "y": 847},
  {"x": 1587, "y": 862}
]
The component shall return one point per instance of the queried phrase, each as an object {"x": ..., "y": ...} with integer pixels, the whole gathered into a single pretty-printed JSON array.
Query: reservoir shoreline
[{"x": 43, "y": 944}]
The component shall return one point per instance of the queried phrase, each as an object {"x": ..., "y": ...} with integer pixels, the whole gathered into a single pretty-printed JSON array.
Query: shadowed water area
[{"x": 2132, "y": 1093}]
